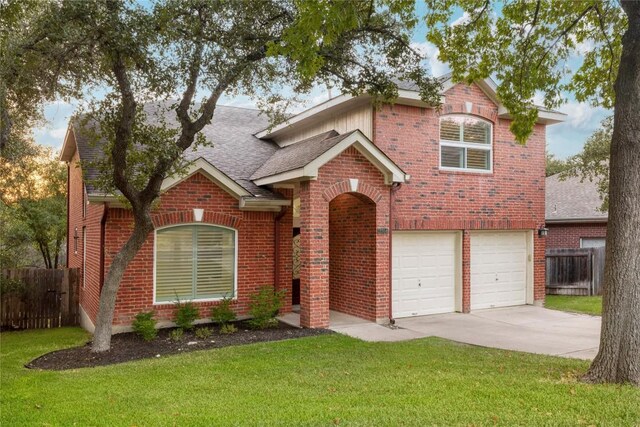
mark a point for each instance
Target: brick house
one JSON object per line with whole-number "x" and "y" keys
{"x": 403, "y": 211}
{"x": 573, "y": 214}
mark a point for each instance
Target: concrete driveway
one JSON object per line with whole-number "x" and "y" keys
{"x": 524, "y": 328}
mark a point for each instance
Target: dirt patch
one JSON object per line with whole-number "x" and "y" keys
{"x": 129, "y": 346}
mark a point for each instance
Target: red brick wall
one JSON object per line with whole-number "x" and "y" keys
{"x": 87, "y": 221}
{"x": 352, "y": 255}
{"x": 332, "y": 181}
{"x": 569, "y": 235}
{"x": 255, "y": 246}
{"x": 509, "y": 198}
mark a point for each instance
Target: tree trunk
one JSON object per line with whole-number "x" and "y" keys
{"x": 44, "y": 254}
{"x": 102, "y": 334}
{"x": 618, "y": 359}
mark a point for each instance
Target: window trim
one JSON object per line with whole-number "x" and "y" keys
{"x": 466, "y": 145}
{"x": 235, "y": 262}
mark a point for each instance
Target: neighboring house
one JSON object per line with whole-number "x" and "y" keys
{"x": 573, "y": 216}
{"x": 403, "y": 211}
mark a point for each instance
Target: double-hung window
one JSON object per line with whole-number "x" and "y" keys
{"x": 195, "y": 262}
{"x": 465, "y": 143}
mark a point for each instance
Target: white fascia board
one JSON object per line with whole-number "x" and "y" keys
{"x": 410, "y": 97}
{"x": 214, "y": 174}
{"x": 108, "y": 199}
{"x": 292, "y": 175}
{"x": 329, "y": 104}
{"x": 391, "y": 172}
{"x": 545, "y": 117}
{"x": 68, "y": 147}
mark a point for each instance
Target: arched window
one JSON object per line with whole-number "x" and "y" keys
{"x": 194, "y": 262}
{"x": 466, "y": 143}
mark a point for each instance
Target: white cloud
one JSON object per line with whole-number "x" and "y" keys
{"x": 463, "y": 19}
{"x": 584, "y": 46}
{"x": 58, "y": 133}
{"x": 581, "y": 114}
{"x": 431, "y": 53}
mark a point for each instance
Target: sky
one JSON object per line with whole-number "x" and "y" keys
{"x": 563, "y": 140}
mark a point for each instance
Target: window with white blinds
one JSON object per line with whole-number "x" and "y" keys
{"x": 195, "y": 262}
{"x": 465, "y": 143}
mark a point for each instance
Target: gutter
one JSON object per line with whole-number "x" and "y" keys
{"x": 576, "y": 220}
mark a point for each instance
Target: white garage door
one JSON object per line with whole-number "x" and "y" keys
{"x": 498, "y": 269}
{"x": 424, "y": 272}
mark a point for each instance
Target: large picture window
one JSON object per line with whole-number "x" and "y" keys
{"x": 195, "y": 262}
{"x": 465, "y": 143}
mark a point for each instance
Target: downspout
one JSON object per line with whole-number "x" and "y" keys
{"x": 392, "y": 198}
{"x": 103, "y": 226}
{"x": 68, "y": 216}
{"x": 276, "y": 254}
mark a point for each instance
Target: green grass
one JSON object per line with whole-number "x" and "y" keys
{"x": 316, "y": 381}
{"x": 588, "y": 305}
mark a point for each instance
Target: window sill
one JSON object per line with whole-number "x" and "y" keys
{"x": 466, "y": 171}
{"x": 196, "y": 301}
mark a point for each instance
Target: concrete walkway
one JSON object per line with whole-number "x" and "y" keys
{"x": 525, "y": 328}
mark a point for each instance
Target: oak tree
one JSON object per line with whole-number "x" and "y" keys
{"x": 528, "y": 45}
{"x": 184, "y": 55}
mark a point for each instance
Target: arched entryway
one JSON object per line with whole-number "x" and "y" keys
{"x": 352, "y": 255}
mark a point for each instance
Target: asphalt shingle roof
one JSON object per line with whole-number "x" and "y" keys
{"x": 572, "y": 200}
{"x": 235, "y": 151}
{"x": 299, "y": 154}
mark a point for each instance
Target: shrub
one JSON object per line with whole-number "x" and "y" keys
{"x": 222, "y": 313}
{"x": 176, "y": 334}
{"x": 264, "y": 307}
{"x": 203, "y": 333}
{"x": 186, "y": 314}
{"x": 145, "y": 326}
{"x": 228, "y": 328}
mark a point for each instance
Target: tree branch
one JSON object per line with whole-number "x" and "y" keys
{"x": 152, "y": 189}
{"x": 125, "y": 122}
{"x": 606, "y": 38}
{"x": 564, "y": 33}
{"x": 534, "y": 22}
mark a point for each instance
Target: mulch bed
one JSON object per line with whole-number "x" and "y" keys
{"x": 129, "y": 346}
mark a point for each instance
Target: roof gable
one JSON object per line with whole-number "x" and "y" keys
{"x": 214, "y": 174}
{"x": 408, "y": 94}
{"x": 303, "y": 159}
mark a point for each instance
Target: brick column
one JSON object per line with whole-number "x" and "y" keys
{"x": 383, "y": 264}
{"x": 285, "y": 251}
{"x": 314, "y": 242}
{"x": 466, "y": 271}
{"x": 539, "y": 268}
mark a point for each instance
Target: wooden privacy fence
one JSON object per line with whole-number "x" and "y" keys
{"x": 575, "y": 271}
{"x": 38, "y": 298}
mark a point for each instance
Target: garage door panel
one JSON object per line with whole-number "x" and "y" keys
{"x": 498, "y": 269}
{"x": 423, "y": 273}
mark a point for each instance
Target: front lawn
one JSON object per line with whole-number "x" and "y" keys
{"x": 323, "y": 380}
{"x": 587, "y": 305}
